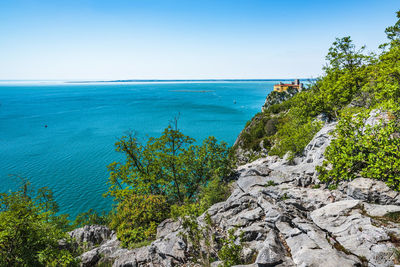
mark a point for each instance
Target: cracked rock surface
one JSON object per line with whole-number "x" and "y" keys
{"x": 285, "y": 219}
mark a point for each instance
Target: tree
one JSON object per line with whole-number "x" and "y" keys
{"x": 386, "y": 73}
{"x": 170, "y": 170}
{"x": 343, "y": 55}
{"x": 393, "y": 32}
{"x": 30, "y": 230}
{"x": 170, "y": 165}
{"x": 346, "y": 72}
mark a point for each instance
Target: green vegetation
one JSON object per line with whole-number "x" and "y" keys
{"x": 30, "y": 230}
{"x": 261, "y": 127}
{"x": 270, "y": 183}
{"x": 231, "y": 250}
{"x": 316, "y": 186}
{"x": 204, "y": 241}
{"x": 167, "y": 174}
{"x": 354, "y": 83}
{"x": 371, "y": 151}
{"x": 365, "y": 150}
{"x": 137, "y": 217}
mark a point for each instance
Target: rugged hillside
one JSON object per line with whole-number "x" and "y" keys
{"x": 256, "y": 138}
{"x": 285, "y": 217}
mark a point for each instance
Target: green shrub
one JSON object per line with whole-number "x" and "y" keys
{"x": 137, "y": 217}
{"x": 293, "y": 135}
{"x": 230, "y": 252}
{"x": 200, "y": 237}
{"x": 215, "y": 191}
{"x": 271, "y": 127}
{"x": 359, "y": 149}
{"x": 30, "y": 230}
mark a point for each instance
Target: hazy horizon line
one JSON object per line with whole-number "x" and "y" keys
{"x": 151, "y": 80}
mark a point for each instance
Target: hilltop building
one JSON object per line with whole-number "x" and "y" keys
{"x": 281, "y": 87}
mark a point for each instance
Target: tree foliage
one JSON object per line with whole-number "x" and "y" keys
{"x": 170, "y": 165}
{"x": 165, "y": 171}
{"x": 30, "y": 229}
{"x": 137, "y": 217}
{"x": 363, "y": 150}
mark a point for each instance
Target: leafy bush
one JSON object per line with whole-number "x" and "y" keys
{"x": 30, "y": 230}
{"x": 359, "y": 149}
{"x": 137, "y": 217}
{"x": 293, "y": 135}
{"x": 230, "y": 252}
{"x": 215, "y": 191}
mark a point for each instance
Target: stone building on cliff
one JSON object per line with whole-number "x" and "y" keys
{"x": 281, "y": 87}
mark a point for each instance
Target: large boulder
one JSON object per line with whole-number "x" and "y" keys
{"x": 91, "y": 235}
{"x": 372, "y": 191}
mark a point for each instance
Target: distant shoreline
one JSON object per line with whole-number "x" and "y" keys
{"x": 194, "y": 80}
{"x": 60, "y": 82}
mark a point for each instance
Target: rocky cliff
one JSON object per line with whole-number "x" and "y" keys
{"x": 286, "y": 217}
{"x": 274, "y": 97}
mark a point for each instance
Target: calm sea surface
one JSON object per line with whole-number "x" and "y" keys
{"x": 71, "y": 154}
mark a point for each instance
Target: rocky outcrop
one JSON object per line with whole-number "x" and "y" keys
{"x": 372, "y": 191}
{"x": 278, "y": 97}
{"x": 91, "y": 235}
{"x": 285, "y": 219}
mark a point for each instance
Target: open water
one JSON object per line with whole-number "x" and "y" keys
{"x": 71, "y": 154}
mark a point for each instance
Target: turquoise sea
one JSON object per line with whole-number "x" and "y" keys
{"x": 83, "y": 120}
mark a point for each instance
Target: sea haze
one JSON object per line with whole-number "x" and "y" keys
{"x": 83, "y": 120}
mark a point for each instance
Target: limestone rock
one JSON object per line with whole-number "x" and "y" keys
{"x": 353, "y": 229}
{"x": 90, "y": 258}
{"x": 273, "y": 252}
{"x": 91, "y": 235}
{"x": 372, "y": 191}
{"x": 166, "y": 227}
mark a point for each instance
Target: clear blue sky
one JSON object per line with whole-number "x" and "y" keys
{"x": 163, "y": 39}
